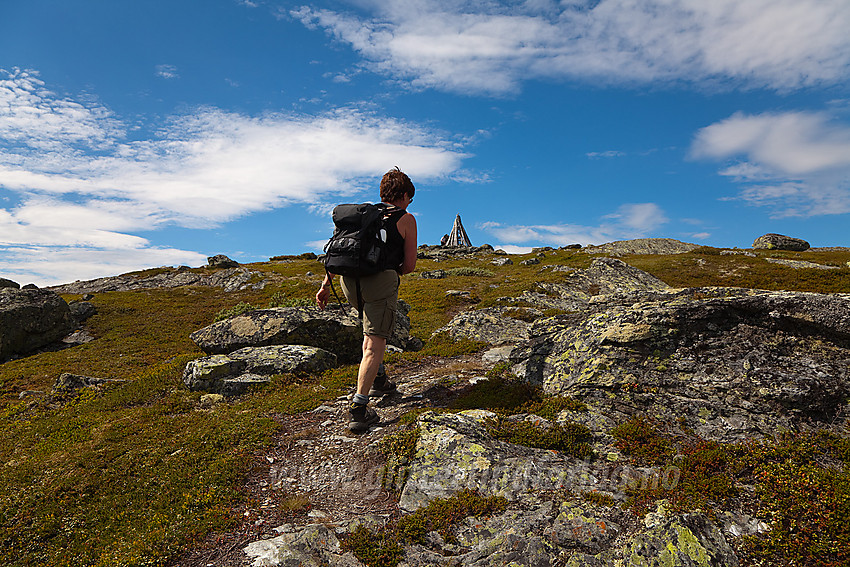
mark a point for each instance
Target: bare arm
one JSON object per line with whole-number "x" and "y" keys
{"x": 324, "y": 292}
{"x": 407, "y": 229}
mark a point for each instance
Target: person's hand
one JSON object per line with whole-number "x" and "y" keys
{"x": 322, "y": 297}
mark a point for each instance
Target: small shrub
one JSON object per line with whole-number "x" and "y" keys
{"x": 235, "y": 311}
{"x": 443, "y": 515}
{"x": 639, "y": 438}
{"x": 374, "y": 550}
{"x": 599, "y": 498}
{"x": 442, "y": 344}
{"x": 398, "y": 449}
{"x": 549, "y": 408}
{"x": 477, "y": 272}
{"x": 570, "y": 438}
{"x": 706, "y": 251}
{"x": 501, "y": 395}
{"x": 279, "y": 299}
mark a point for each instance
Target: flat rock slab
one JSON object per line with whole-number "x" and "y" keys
{"x": 232, "y": 373}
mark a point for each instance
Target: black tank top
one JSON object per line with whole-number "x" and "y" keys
{"x": 395, "y": 243}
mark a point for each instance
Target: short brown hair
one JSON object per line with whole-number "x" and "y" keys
{"x": 395, "y": 185}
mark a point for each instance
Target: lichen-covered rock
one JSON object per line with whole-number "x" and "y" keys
{"x": 454, "y": 452}
{"x": 231, "y": 279}
{"x": 31, "y": 319}
{"x": 221, "y": 373}
{"x": 332, "y": 330}
{"x": 604, "y": 276}
{"x": 728, "y": 363}
{"x": 68, "y": 382}
{"x": 773, "y": 241}
{"x": 491, "y": 325}
{"x": 642, "y": 246}
{"x": 689, "y": 540}
{"x": 311, "y": 546}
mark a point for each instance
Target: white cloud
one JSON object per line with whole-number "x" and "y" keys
{"x": 79, "y": 184}
{"x": 167, "y": 72}
{"x": 629, "y": 221}
{"x": 492, "y": 47}
{"x": 53, "y": 265}
{"x": 605, "y": 154}
{"x": 797, "y": 163}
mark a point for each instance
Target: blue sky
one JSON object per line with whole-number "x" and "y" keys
{"x": 143, "y": 134}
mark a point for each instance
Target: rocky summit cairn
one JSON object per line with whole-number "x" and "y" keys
{"x": 457, "y": 237}
{"x": 780, "y": 242}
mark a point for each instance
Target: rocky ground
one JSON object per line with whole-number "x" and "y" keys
{"x": 318, "y": 472}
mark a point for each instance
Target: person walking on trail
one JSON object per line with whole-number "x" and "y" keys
{"x": 380, "y": 298}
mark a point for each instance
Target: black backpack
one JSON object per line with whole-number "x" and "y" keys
{"x": 358, "y": 246}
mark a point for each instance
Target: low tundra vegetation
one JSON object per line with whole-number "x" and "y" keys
{"x": 799, "y": 482}
{"x": 134, "y": 472}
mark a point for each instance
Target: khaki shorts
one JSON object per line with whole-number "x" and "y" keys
{"x": 380, "y": 301}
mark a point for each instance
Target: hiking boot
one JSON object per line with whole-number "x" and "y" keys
{"x": 382, "y": 386}
{"x": 362, "y": 416}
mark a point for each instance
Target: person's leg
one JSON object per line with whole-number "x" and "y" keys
{"x": 373, "y": 355}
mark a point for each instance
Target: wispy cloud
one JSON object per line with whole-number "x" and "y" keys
{"x": 203, "y": 169}
{"x": 605, "y": 154}
{"x": 491, "y": 47}
{"x": 167, "y": 71}
{"x": 796, "y": 163}
{"x": 631, "y": 220}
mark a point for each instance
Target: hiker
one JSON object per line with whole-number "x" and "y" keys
{"x": 380, "y": 298}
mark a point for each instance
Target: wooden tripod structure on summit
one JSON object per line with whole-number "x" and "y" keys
{"x": 458, "y": 235}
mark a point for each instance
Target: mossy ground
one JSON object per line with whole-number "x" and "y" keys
{"x": 134, "y": 472}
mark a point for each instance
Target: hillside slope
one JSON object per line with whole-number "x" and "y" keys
{"x": 614, "y": 444}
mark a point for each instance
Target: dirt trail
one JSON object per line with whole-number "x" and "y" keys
{"x": 317, "y": 471}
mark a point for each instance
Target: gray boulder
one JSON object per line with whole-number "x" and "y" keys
{"x": 642, "y": 246}
{"x": 334, "y": 330}
{"x": 605, "y": 276}
{"x": 731, "y": 364}
{"x": 31, "y": 319}
{"x": 221, "y": 261}
{"x": 773, "y": 241}
{"x": 311, "y": 546}
{"x": 232, "y": 373}
{"x": 9, "y": 283}
{"x": 68, "y": 382}
{"x": 82, "y": 310}
{"x": 493, "y": 325}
